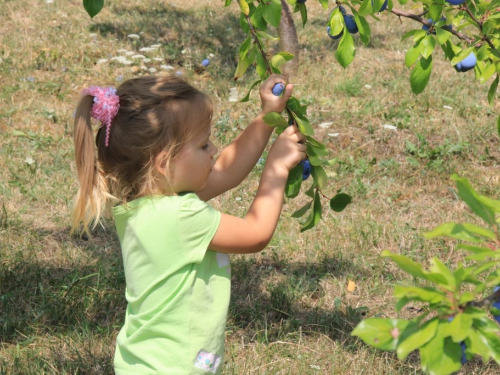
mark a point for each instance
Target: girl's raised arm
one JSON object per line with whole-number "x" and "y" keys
{"x": 253, "y": 232}
{"x": 237, "y": 160}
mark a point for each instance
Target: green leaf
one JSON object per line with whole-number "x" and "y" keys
{"x": 257, "y": 19}
{"x": 345, "y": 50}
{"x": 487, "y": 72}
{"x": 420, "y": 75}
{"x": 477, "y": 344}
{"x": 363, "y": 28}
{"x": 442, "y": 35}
{"x": 245, "y": 47}
{"x": 319, "y": 176}
{"x": 427, "y": 46}
{"x": 460, "y": 326}
{"x": 435, "y": 11}
{"x": 303, "y": 13}
{"x": 281, "y": 58}
{"x": 473, "y": 248}
{"x": 464, "y": 232}
{"x": 438, "y": 267}
{"x": 315, "y": 214}
{"x": 93, "y": 7}
{"x": 272, "y": 12}
{"x": 421, "y": 294}
{"x": 469, "y": 196}
{"x": 493, "y": 90}
{"x": 416, "y": 337}
{"x": 294, "y": 182}
{"x": 340, "y": 201}
{"x": 303, "y": 124}
{"x": 316, "y": 151}
{"x": 380, "y": 333}
{"x": 244, "y": 7}
{"x": 264, "y": 35}
{"x": 493, "y": 343}
{"x": 406, "y": 264}
{"x": 261, "y": 66}
{"x": 336, "y": 22}
{"x": 441, "y": 356}
{"x": 324, "y": 3}
{"x": 412, "y": 55}
{"x": 247, "y": 96}
{"x": 301, "y": 211}
{"x": 315, "y": 143}
{"x": 243, "y": 65}
{"x": 275, "y": 119}
{"x": 366, "y": 8}
{"x": 408, "y": 34}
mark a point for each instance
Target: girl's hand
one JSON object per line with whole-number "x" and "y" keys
{"x": 288, "y": 150}
{"x": 270, "y": 102}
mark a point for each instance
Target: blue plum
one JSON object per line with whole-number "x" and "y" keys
{"x": 350, "y": 23}
{"x": 334, "y": 37}
{"x": 455, "y": 2}
{"x": 306, "y": 169}
{"x": 278, "y": 89}
{"x": 383, "y": 7}
{"x": 467, "y": 64}
{"x": 205, "y": 62}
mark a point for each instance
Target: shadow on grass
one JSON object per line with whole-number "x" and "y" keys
{"x": 81, "y": 303}
{"x": 201, "y": 31}
{"x": 273, "y": 299}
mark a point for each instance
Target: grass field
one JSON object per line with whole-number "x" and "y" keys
{"x": 62, "y": 298}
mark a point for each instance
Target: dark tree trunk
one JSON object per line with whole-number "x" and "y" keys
{"x": 289, "y": 41}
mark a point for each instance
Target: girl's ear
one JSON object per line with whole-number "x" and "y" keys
{"x": 161, "y": 164}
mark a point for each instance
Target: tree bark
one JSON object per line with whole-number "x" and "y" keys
{"x": 289, "y": 41}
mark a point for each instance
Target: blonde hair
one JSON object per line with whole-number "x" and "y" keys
{"x": 157, "y": 114}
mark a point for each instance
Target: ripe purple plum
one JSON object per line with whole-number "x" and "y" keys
{"x": 278, "y": 89}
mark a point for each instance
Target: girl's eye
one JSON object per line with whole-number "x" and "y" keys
{"x": 205, "y": 147}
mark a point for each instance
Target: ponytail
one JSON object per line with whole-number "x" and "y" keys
{"x": 93, "y": 195}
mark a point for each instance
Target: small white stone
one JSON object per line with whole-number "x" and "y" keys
{"x": 325, "y": 125}
{"x": 233, "y": 94}
{"x": 49, "y": 1}
{"x": 447, "y": 107}
{"x": 152, "y": 70}
{"x": 29, "y": 160}
{"x": 237, "y": 199}
{"x": 390, "y": 127}
{"x": 368, "y": 87}
{"x": 211, "y": 55}
{"x": 102, "y": 61}
{"x": 133, "y": 36}
{"x": 333, "y": 134}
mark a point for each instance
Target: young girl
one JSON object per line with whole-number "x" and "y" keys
{"x": 155, "y": 163}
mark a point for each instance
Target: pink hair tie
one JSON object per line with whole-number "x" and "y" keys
{"x": 105, "y": 107}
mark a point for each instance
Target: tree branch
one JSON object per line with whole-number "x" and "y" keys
{"x": 418, "y": 18}
{"x": 493, "y": 297}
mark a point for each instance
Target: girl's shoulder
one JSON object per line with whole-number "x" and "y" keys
{"x": 187, "y": 201}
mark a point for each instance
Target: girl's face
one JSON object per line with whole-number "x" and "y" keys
{"x": 190, "y": 169}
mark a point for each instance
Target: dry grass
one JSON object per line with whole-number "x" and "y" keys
{"x": 61, "y": 298}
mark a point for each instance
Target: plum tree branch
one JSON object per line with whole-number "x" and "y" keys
{"x": 418, "y": 18}
{"x": 259, "y": 45}
{"x": 487, "y": 301}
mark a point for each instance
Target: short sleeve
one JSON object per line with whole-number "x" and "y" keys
{"x": 197, "y": 224}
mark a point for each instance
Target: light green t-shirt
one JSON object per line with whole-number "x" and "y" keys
{"x": 177, "y": 290}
